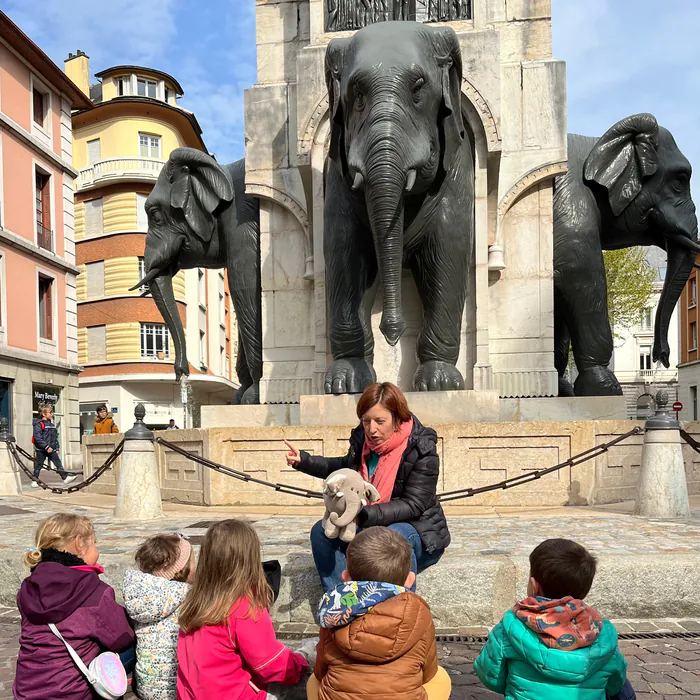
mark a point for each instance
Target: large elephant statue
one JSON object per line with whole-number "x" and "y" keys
{"x": 399, "y": 192}
{"x": 199, "y": 216}
{"x": 630, "y": 187}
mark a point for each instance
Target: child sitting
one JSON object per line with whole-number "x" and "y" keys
{"x": 374, "y": 632}
{"x": 64, "y": 588}
{"x": 152, "y": 597}
{"x": 552, "y": 645}
{"x": 227, "y": 646}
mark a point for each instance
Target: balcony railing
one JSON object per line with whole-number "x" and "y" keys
{"x": 646, "y": 372}
{"x": 346, "y": 15}
{"x": 44, "y": 237}
{"x": 120, "y": 168}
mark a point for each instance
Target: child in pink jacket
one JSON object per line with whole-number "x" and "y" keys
{"x": 227, "y": 647}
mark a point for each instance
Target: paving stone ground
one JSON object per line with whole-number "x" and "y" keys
{"x": 658, "y": 669}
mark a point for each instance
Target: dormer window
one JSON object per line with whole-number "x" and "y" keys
{"x": 146, "y": 88}
{"x": 168, "y": 95}
{"x": 123, "y": 85}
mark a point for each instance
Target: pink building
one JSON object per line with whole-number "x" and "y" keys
{"x": 38, "y": 312}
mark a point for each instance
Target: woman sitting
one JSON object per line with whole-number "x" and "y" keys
{"x": 398, "y": 456}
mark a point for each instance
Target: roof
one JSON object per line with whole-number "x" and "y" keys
{"x": 26, "y": 48}
{"x": 95, "y": 114}
{"x": 136, "y": 69}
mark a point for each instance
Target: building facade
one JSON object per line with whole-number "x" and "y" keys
{"x": 632, "y": 363}
{"x": 38, "y": 317}
{"x": 689, "y": 367}
{"x": 120, "y": 147}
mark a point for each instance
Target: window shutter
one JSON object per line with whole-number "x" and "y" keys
{"x": 46, "y": 285}
{"x": 96, "y": 337}
{"x": 46, "y": 202}
{"x": 38, "y": 108}
{"x": 95, "y": 279}
{"x": 94, "y": 151}
{"x": 93, "y": 217}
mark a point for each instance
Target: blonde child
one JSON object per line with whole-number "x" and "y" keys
{"x": 45, "y": 439}
{"x": 152, "y": 596}
{"x": 227, "y": 647}
{"x": 64, "y": 588}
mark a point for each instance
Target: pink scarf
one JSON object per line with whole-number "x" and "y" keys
{"x": 390, "y": 453}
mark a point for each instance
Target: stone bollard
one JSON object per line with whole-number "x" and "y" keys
{"x": 662, "y": 491}
{"x": 10, "y": 484}
{"x": 138, "y": 490}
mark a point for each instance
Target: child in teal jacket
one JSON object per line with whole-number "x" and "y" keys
{"x": 551, "y": 645}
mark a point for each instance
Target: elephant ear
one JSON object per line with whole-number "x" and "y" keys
{"x": 623, "y": 157}
{"x": 371, "y": 493}
{"x": 198, "y": 186}
{"x": 335, "y": 57}
{"x": 449, "y": 60}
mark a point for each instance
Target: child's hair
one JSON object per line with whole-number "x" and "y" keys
{"x": 379, "y": 554}
{"x": 101, "y": 407}
{"x": 562, "y": 568}
{"x": 56, "y": 532}
{"x": 160, "y": 554}
{"x": 229, "y": 568}
{"x": 45, "y": 409}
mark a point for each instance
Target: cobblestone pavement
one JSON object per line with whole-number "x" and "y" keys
{"x": 658, "y": 669}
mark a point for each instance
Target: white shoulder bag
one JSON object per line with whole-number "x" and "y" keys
{"x": 105, "y": 673}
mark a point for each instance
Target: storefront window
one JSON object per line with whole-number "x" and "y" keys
{"x": 6, "y": 402}
{"x": 43, "y": 394}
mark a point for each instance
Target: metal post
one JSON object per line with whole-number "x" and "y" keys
{"x": 662, "y": 490}
{"x": 5, "y": 435}
{"x": 140, "y": 430}
{"x": 10, "y": 484}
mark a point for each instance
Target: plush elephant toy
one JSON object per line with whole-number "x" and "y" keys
{"x": 345, "y": 493}
{"x": 399, "y": 192}
{"x": 199, "y": 216}
{"x": 630, "y": 187}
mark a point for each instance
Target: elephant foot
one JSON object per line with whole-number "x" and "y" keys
{"x": 251, "y": 396}
{"x": 565, "y": 388}
{"x": 436, "y": 375}
{"x": 597, "y": 381}
{"x": 350, "y": 375}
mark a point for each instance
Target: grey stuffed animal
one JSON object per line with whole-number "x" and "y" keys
{"x": 345, "y": 493}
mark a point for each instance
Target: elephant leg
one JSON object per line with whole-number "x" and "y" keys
{"x": 562, "y": 343}
{"x": 242, "y": 226}
{"x": 351, "y": 270}
{"x": 441, "y": 268}
{"x": 347, "y": 533}
{"x": 580, "y": 280}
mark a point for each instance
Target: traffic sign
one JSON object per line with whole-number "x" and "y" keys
{"x": 677, "y": 406}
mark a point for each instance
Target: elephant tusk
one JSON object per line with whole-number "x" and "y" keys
{"x": 410, "y": 180}
{"x": 150, "y": 276}
{"x": 359, "y": 181}
{"x": 696, "y": 265}
{"x": 684, "y": 242}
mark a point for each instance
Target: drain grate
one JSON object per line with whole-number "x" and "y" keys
{"x": 629, "y": 636}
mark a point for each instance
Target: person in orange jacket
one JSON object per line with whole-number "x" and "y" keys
{"x": 104, "y": 425}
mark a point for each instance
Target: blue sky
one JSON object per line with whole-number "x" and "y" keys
{"x": 623, "y": 56}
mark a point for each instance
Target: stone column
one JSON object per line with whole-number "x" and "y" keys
{"x": 662, "y": 490}
{"x": 138, "y": 490}
{"x": 10, "y": 484}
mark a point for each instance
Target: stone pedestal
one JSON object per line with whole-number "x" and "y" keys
{"x": 663, "y": 491}
{"x": 9, "y": 478}
{"x": 138, "y": 491}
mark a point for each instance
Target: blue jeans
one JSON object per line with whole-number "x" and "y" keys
{"x": 128, "y": 658}
{"x": 627, "y": 693}
{"x": 40, "y": 458}
{"x": 329, "y": 555}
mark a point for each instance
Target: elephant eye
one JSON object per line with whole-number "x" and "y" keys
{"x": 359, "y": 101}
{"x": 156, "y": 216}
{"x": 418, "y": 85}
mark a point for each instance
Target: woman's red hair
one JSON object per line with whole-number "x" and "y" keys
{"x": 387, "y": 395}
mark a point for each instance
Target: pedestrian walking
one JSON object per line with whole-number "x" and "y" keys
{"x": 45, "y": 439}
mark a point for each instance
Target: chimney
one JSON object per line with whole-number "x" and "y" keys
{"x": 77, "y": 67}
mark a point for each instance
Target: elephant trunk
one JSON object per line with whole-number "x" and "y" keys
{"x": 162, "y": 291}
{"x": 385, "y": 183}
{"x": 680, "y": 260}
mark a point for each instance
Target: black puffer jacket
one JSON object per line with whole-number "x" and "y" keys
{"x": 413, "y": 499}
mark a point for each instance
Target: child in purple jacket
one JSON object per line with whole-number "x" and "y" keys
{"x": 64, "y": 588}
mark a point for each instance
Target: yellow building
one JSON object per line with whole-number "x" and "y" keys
{"x": 119, "y": 149}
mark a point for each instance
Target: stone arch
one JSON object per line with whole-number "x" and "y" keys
{"x": 531, "y": 178}
{"x": 483, "y": 110}
{"x": 267, "y": 191}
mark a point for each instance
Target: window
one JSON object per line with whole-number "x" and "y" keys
{"x": 94, "y": 150}
{"x": 146, "y": 88}
{"x": 645, "y": 357}
{"x": 141, "y": 217}
{"x": 693, "y": 336}
{"x": 96, "y": 341}
{"x": 94, "y": 225}
{"x": 202, "y": 348}
{"x": 123, "y": 85}
{"x": 155, "y": 341}
{"x": 168, "y": 94}
{"x": 222, "y": 361}
{"x": 694, "y": 401}
{"x": 645, "y": 323}
{"x": 45, "y": 307}
{"x": 149, "y": 146}
{"x": 201, "y": 288}
{"x": 43, "y": 210}
{"x": 222, "y": 311}
{"x": 95, "y": 273}
{"x": 6, "y": 402}
{"x": 693, "y": 295}
{"x": 39, "y": 108}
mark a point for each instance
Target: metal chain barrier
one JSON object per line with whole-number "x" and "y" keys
{"x": 17, "y": 453}
{"x": 49, "y": 467}
{"x": 443, "y": 497}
